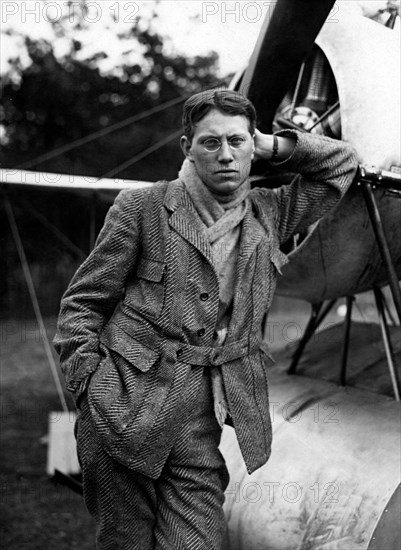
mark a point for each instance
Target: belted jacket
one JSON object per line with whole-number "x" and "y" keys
{"x": 142, "y": 309}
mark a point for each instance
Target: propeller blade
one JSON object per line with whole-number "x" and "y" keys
{"x": 286, "y": 38}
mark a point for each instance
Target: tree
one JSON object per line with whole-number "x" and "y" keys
{"x": 54, "y": 102}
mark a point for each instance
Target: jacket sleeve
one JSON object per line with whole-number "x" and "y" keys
{"x": 94, "y": 292}
{"x": 325, "y": 169}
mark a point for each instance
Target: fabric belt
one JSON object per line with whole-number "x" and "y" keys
{"x": 208, "y": 356}
{"x": 186, "y": 353}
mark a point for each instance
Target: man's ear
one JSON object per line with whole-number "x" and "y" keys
{"x": 186, "y": 147}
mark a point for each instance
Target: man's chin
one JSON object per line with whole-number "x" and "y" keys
{"x": 224, "y": 186}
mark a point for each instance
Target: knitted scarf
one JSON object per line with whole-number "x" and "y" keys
{"x": 219, "y": 213}
{"x": 221, "y": 216}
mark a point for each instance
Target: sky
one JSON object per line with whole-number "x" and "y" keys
{"x": 195, "y": 27}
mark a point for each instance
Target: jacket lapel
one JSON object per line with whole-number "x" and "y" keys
{"x": 185, "y": 220}
{"x": 252, "y": 234}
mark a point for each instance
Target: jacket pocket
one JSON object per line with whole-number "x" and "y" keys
{"x": 146, "y": 293}
{"x": 118, "y": 387}
{"x": 151, "y": 270}
{"x": 136, "y": 353}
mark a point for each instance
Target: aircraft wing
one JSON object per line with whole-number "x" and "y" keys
{"x": 81, "y": 185}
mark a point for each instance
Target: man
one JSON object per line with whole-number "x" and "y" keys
{"x": 160, "y": 330}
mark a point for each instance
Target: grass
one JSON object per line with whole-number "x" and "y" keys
{"x": 36, "y": 512}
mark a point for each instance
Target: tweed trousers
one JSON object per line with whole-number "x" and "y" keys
{"x": 182, "y": 509}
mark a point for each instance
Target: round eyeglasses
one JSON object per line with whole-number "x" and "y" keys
{"x": 213, "y": 144}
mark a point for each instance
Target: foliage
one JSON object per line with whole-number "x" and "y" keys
{"x": 57, "y": 101}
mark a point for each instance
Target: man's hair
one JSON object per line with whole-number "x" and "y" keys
{"x": 226, "y": 101}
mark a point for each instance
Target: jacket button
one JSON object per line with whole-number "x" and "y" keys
{"x": 179, "y": 352}
{"x": 204, "y": 296}
{"x": 215, "y": 358}
{"x": 201, "y": 332}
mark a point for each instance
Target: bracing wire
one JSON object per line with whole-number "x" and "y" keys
{"x": 142, "y": 155}
{"x": 35, "y": 302}
{"x": 100, "y": 133}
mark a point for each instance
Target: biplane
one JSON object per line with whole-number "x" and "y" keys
{"x": 333, "y": 481}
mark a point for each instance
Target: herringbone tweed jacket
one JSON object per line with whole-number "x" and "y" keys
{"x": 143, "y": 307}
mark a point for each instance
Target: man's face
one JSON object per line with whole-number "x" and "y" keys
{"x": 224, "y": 170}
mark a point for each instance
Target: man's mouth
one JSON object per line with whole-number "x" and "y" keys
{"x": 227, "y": 171}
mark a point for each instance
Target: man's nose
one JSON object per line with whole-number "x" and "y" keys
{"x": 225, "y": 153}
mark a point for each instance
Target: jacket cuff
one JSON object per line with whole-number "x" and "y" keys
{"x": 78, "y": 369}
{"x": 308, "y": 148}
{"x": 295, "y": 135}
